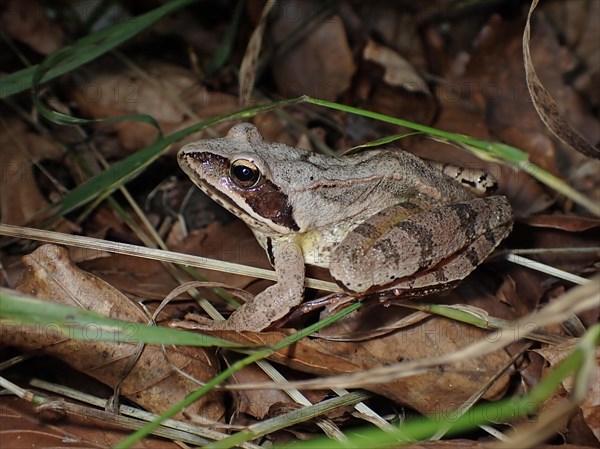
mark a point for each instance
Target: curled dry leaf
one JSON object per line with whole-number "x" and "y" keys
{"x": 398, "y": 71}
{"x": 151, "y": 383}
{"x": 250, "y": 61}
{"x": 387, "y": 82}
{"x": 546, "y": 106}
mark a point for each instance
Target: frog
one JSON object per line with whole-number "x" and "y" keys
{"x": 381, "y": 221}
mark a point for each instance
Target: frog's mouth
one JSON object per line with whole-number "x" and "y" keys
{"x": 263, "y": 207}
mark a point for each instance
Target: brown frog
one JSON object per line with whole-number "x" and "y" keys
{"x": 379, "y": 221}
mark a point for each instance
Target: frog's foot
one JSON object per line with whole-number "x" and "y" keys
{"x": 478, "y": 181}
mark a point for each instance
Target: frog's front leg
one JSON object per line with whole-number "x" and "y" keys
{"x": 276, "y": 301}
{"x": 402, "y": 247}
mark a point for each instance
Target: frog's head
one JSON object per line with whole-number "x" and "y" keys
{"x": 234, "y": 172}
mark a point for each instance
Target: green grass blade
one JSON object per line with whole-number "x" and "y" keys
{"x": 224, "y": 51}
{"x": 260, "y": 354}
{"x": 126, "y": 169}
{"x": 420, "y": 429}
{"x": 378, "y": 142}
{"x": 490, "y": 151}
{"x": 77, "y": 323}
{"x": 84, "y": 50}
{"x": 62, "y": 119}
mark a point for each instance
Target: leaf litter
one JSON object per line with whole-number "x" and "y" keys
{"x": 473, "y": 66}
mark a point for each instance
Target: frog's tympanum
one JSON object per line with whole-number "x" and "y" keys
{"x": 380, "y": 220}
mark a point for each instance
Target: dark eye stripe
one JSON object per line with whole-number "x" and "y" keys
{"x": 268, "y": 201}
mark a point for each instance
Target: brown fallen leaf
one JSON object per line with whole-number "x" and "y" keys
{"x": 572, "y": 223}
{"x": 249, "y": 63}
{"x": 22, "y": 427}
{"x": 151, "y": 383}
{"x": 20, "y": 196}
{"x": 551, "y": 236}
{"x": 398, "y": 71}
{"x": 255, "y": 402}
{"x": 371, "y": 322}
{"x": 167, "y": 92}
{"x": 28, "y": 21}
{"x": 522, "y": 290}
{"x": 438, "y": 391}
{"x": 320, "y": 64}
{"x": 590, "y": 407}
{"x": 494, "y": 82}
{"x": 577, "y": 22}
{"x": 150, "y": 280}
{"x": 142, "y": 278}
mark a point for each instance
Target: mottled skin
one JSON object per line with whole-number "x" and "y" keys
{"x": 379, "y": 220}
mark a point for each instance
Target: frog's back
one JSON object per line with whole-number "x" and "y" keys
{"x": 337, "y": 189}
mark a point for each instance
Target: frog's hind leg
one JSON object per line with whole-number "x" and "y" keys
{"x": 451, "y": 271}
{"x": 440, "y": 245}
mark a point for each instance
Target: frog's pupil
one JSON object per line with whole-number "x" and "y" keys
{"x": 243, "y": 173}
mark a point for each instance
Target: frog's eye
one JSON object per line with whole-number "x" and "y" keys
{"x": 244, "y": 173}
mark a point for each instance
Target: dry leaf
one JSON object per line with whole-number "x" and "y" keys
{"x": 321, "y": 63}
{"x": 434, "y": 392}
{"x": 151, "y": 383}
{"x": 551, "y": 236}
{"x": 20, "y": 197}
{"x": 398, "y": 71}
{"x": 250, "y": 60}
{"x": 590, "y": 407}
{"x": 577, "y": 21}
{"x": 494, "y": 83}
{"x": 167, "y": 92}
{"x": 23, "y": 427}
{"x": 27, "y": 21}
{"x": 256, "y": 403}
{"x": 546, "y": 106}
{"x": 572, "y": 223}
